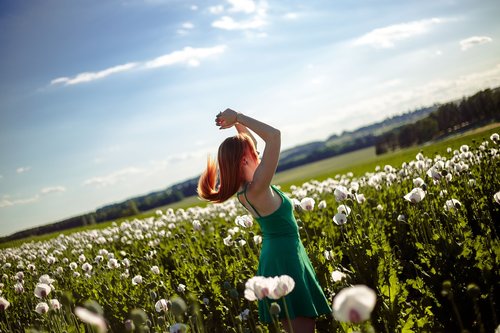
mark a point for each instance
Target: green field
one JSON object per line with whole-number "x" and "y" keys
{"x": 358, "y": 162}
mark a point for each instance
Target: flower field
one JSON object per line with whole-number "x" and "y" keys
{"x": 420, "y": 238}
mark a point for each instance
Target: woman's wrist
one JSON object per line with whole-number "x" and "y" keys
{"x": 238, "y": 117}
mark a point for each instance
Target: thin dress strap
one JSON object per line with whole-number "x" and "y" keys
{"x": 245, "y": 194}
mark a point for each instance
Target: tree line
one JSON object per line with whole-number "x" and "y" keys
{"x": 480, "y": 108}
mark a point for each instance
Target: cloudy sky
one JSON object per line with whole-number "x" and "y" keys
{"x": 101, "y": 101}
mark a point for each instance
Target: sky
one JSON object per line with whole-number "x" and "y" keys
{"x": 101, "y": 101}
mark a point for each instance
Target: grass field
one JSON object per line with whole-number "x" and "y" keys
{"x": 358, "y": 162}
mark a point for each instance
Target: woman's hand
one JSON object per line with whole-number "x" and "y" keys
{"x": 226, "y": 119}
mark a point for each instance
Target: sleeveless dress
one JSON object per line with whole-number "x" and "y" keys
{"x": 282, "y": 253}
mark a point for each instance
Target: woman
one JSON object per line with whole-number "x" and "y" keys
{"x": 241, "y": 172}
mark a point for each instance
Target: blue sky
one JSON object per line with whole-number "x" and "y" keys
{"x": 101, "y": 101}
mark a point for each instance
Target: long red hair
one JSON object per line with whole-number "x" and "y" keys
{"x": 229, "y": 157}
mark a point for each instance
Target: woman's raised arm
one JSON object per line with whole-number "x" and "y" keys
{"x": 272, "y": 137}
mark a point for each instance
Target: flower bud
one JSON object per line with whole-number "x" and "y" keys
{"x": 275, "y": 309}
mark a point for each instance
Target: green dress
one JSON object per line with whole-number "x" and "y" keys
{"x": 282, "y": 253}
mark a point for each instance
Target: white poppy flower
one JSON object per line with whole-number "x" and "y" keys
{"x": 307, "y": 203}
{"x": 416, "y": 195}
{"x": 54, "y": 304}
{"x": 496, "y": 197}
{"x": 4, "y": 304}
{"x": 161, "y": 305}
{"x": 322, "y": 204}
{"x": 197, "y": 225}
{"x": 257, "y": 239}
{"x": 340, "y": 219}
{"x": 181, "y": 288}
{"x": 245, "y": 221}
{"x": 354, "y": 304}
{"x": 451, "y": 205}
{"x": 338, "y": 276}
{"x": 155, "y": 270}
{"x": 42, "y": 308}
{"x": 42, "y": 290}
{"x": 360, "y": 198}
{"x": 341, "y": 193}
{"x": 494, "y": 137}
{"x": 45, "y": 279}
{"x": 228, "y": 241}
{"x": 136, "y": 280}
{"x": 418, "y": 182}
{"x": 91, "y": 318}
{"x": 281, "y": 286}
{"x": 343, "y": 209}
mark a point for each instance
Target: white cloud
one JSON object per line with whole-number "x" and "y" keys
{"x": 91, "y": 76}
{"x": 291, "y": 16}
{"x": 187, "y": 25}
{"x": 467, "y": 43}
{"x": 245, "y": 6}
{"x": 256, "y": 21}
{"x": 53, "y": 189}
{"x": 193, "y": 7}
{"x": 228, "y": 23}
{"x": 188, "y": 56}
{"x": 219, "y": 9}
{"x": 113, "y": 178}
{"x": 7, "y": 202}
{"x": 23, "y": 169}
{"x": 387, "y": 37}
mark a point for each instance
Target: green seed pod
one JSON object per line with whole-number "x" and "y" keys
{"x": 275, "y": 309}
{"x": 93, "y": 306}
{"x": 129, "y": 325}
{"x": 226, "y": 285}
{"x": 233, "y": 293}
{"x": 138, "y": 316}
{"x": 473, "y": 290}
{"x": 178, "y": 306}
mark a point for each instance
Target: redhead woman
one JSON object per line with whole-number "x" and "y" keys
{"x": 241, "y": 172}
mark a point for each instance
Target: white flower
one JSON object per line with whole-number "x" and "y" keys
{"x": 42, "y": 308}
{"x": 245, "y": 221}
{"x": 338, "y": 276}
{"x": 54, "y": 304}
{"x": 281, "y": 286}
{"x": 257, "y": 239}
{"x": 380, "y": 207}
{"x": 416, "y": 195}
{"x": 307, "y": 204}
{"x": 340, "y": 193}
{"x": 82, "y": 258}
{"x": 433, "y": 173}
{"x": 19, "y": 288}
{"x": 340, "y": 219}
{"x": 343, "y": 209}
{"x": 91, "y": 318}
{"x": 228, "y": 241}
{"x": 360, "y": 198}
{"x": 401, "y": 218}
{"x": 354, "y": 304}
{"x": 45, "y": 279}
{"x": 136, "y": 280}
{"x": 496, "y": 197}
{"x": 181, "y": 288}
{"x": 87, "y": 267}
{"x": 322, "y": 204}
{"x": 494, "y": 137}
{"x": 196, "y": 225}
{"x": 42, "y": 290}
{"x": 328, "y": 254}
{"x": 418, "y": 182}
{"x": 4, "y": 304}
{"x": 256, "y": 288}
{"x": 178, "y": 328}
{"x": 73, "y": 265}
{"x": 452, "y": 205}
{"x": 113, "y": 263}
{"x": 155, "y": 270}
{"x": 244, "y": 314}
{"x": 161, "y": 305}
{"x": 464, "y": 148}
